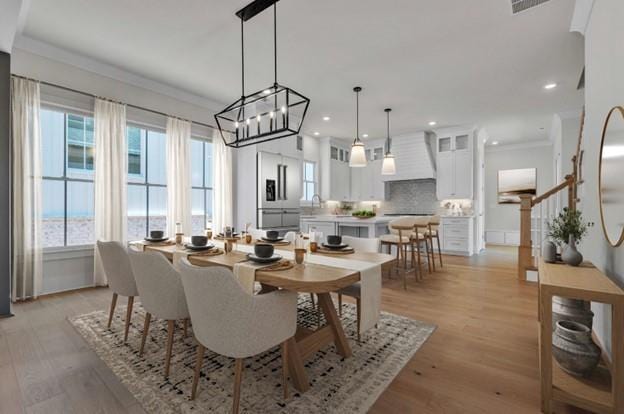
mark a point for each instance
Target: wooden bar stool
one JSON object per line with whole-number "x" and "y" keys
{"x": 433, "y": 232}
{"x": 401, "y": 230}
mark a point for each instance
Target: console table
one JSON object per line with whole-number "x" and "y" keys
{"x": 603, "y": 391}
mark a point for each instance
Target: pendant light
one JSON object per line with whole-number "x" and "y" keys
{"x": 270, "y": 113}
{"x": 358, "y": 154}
{"x": 388, "y": 167}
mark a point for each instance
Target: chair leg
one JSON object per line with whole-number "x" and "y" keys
{"x": 358, "y": 304}
{"x": 185, "y": 327}
{"x": 198, "y": 366}
{"x": 170, "y": 330}
{"x": 419, "y": 276}
{"x": 439, "y": 249}
{"x": 112, "y": 309}
{"x": 238, "y": 376}
{"x": 128, "y": 317}
{"x": 427, "y": 252}
{"x": 312, "y": 300}
{"x": 340, "y": 305}
{"x": 284, "y": 348}
{"x": 148, "y": 319}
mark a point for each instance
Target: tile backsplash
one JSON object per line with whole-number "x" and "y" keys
{"x": 410, "y": 196}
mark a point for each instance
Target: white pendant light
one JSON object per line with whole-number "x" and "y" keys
{"x": 358, "y": 154}
{"x": 388, "y": 167}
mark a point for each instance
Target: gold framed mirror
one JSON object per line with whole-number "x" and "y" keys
{"x": 611, "y": 177}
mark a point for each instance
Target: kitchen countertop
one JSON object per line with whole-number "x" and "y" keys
{"x": 347, "y": 219}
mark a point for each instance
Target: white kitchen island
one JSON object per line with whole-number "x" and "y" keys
{"x": 346, "y": 225}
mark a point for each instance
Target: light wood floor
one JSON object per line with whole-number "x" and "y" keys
{"x": 481, "y": 359}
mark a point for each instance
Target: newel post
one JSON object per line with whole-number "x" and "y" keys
{"x": 525, "y": 255}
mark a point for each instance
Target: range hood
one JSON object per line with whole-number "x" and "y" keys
{"x": 413, "y": 157}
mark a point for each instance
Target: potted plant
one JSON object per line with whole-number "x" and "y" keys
{"x": 566, "y": 230}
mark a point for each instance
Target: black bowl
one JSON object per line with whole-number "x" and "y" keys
{"x": 264, "y": 250}
{"x": 199, "y": 240}
{"x": 272, "y": 234}
{"x": 335, "y": 240}
{"x": 157, "y": 234}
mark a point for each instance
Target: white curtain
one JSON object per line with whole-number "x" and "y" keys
{"x": 111, "y": 174}
{"x": 222, "y": 212}
{"x": 26, "y": 132}
{"x": 178, "y": 175}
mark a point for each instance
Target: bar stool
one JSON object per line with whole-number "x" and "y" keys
{"x": 401, "y": 230}
{"x": 433, "y": 232}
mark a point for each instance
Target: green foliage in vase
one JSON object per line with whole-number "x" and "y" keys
{"x": 568, "y": 222}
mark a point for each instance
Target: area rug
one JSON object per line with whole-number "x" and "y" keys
{"x": 337, "y": 385}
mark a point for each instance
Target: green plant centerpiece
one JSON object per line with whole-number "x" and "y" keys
{"x": 363, "y": 214}
{"x": 566, "y": 230}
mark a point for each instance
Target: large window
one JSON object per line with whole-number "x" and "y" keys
{"x": 309, "y": 180}
{"x": 201, "y": 181}
{"x": 147, "y": 181}
{"x": 67, "y": 185}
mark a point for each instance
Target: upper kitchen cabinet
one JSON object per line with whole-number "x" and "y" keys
{"x": 335, "y": 171}
{"x": 454, "y": 150}
{"x": 367, "y": 183}
{"x": 413, "y": 158}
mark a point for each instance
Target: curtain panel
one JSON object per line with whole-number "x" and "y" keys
{"x": 178, "y": 176}
{"x": 111, "y": 175}
{"x": 222, "y": 212}
{"x": 26, "y": 132}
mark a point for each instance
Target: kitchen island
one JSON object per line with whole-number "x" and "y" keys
{"x": 346, "y": 225}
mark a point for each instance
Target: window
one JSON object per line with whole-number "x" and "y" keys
{"x": 67, "y": 184}
{"x": 147, "y": 181}
{"x": 201, "y": 181}
{"x": 309, "y": 180}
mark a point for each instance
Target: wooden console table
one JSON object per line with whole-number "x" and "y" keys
{"x": 603, "y": 391}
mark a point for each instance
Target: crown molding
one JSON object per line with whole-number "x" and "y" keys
{"x": 518, "y": 146}
{"x": 55, "y": 53}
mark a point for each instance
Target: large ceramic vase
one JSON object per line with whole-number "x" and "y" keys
{"x": 573, "y": 348}
{"x": 570, "y": 255}
{"x": 575, "y": 310}
{"x": 549, "y": 252}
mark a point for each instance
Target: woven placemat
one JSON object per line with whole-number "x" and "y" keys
{"x": 275, "y": 243}
{"x": 212, "y": 252}
{"x": 281, "y": 265}
{"x": 150, "y": 243}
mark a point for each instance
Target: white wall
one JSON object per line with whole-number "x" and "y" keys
{"x": 604, "y": 88}
{"x": 506, "y": 217}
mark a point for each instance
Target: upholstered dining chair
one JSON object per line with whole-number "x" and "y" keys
{"x": 290, "y": 236}
{"x": 257, "y": 233}
{"x": 229, "y": 321}
{"x": 400, "y": 236}
{"x": 120, "y": 277}
{"x": 354, "y": 290}
{"x": 162, "y": 295}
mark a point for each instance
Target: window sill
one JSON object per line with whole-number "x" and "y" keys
{"x": 67, "y": 252}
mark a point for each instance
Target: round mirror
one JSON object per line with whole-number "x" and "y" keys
{"x": 611, "y": 180}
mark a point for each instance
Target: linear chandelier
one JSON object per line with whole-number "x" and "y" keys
{"x": 272, "y": 113}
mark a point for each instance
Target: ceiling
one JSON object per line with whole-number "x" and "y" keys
{"x": 453, "y": 61}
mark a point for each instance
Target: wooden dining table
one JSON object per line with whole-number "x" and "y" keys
{"x": 305, "y": 278}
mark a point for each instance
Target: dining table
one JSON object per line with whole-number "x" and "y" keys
{"x": 309, "y": 277}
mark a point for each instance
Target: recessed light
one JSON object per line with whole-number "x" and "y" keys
{"x": 494, "y": 142}
{"x": 432, "y": 123}
{"x": 365, "y": 136}
{"x": 317, "y": 133}
{"x": 326, "y": 118}
{"x": 550, "y": 86}
{"x": 266, "y": 91}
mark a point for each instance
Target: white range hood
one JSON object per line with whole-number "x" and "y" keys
{"x": 413, "y": 157}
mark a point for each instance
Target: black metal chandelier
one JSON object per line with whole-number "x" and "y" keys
{"x": 272, "y": 113}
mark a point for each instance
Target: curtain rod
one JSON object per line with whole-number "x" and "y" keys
{"x": 111, "y": 100}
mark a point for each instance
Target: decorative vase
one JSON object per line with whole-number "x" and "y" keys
{"x": 570, "y": 255}
{"x": 573, "y": 348}
{"x": 549, "y": 252}
{"x": 575, "y": 310}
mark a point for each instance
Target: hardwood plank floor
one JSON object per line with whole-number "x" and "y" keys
{"x": 481, "y": 359}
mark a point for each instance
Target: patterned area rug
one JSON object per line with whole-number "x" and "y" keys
{"x": 337, "y": 385}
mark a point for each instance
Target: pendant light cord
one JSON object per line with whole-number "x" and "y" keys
{"x": 242, "y": 59}
{"x": 275, "y": 41}
{"x": 388, "y": 130}
{"x": 357, "y": 116}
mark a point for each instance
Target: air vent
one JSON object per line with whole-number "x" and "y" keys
{"x": 518, "y": 6}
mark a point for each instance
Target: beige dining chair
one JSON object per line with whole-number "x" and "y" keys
{"x": 120, "y": 277}
{"x": 229, "y": 321}
{"x": 162, "y": 295}
{"x": 257, "y": 234}
{"x": 359, "y": 245}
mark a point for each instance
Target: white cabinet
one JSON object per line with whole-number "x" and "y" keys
{"x": 454, "y": 159}
{"x": 335, "y": 171}
{"x": 457, "y": 235}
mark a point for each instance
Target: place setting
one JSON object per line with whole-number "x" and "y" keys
{"x": 273, "y": 237}
{"x": 157, "y": 237}
{"x": 264, "y": 254}
{"x": 199, "y": 246}
{"x": 334, "y": 245}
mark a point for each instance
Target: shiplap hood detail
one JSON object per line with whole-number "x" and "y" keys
{"x": 413, "y": 157}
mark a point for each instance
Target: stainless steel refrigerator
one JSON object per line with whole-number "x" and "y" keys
{"x": 279, "y": 191}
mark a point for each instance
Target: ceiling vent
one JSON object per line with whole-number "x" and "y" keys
{"x": 518, "y": 6}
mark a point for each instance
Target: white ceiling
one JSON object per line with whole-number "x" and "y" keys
{"x": 453, "y": 61}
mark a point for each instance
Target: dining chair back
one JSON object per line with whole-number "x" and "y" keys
{"x": 257, "y": 233}
{"x": 362, "y": 244}
{"x": 120, "y": 277}
{"x": 290, "y": 236}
